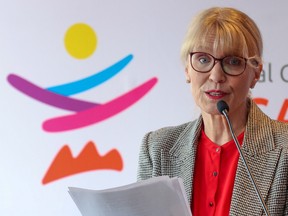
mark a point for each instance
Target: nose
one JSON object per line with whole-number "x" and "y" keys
{"x": 217, "y": 74}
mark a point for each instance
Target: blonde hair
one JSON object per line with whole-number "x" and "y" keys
{"x": 232, "y": 31}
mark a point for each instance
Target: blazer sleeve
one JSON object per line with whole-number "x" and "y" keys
{"x": 286, "y": 206}
{"x": 286, "y": 203}
{"x": 145, "y": 165}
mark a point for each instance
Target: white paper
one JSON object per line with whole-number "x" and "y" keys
{"x": 160, "y": 196}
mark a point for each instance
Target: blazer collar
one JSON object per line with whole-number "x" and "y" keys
{"x": 187, "y": 139}
{"x": 258, "y": 136}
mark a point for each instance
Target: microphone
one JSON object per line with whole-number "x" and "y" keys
{"x": 223, "y": 108}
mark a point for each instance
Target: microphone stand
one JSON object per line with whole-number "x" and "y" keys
{"x": 224, "y": 112}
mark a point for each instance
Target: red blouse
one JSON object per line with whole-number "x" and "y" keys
{"x": 214, "y": 175}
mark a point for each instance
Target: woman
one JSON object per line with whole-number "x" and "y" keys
{"x": 222, "y": 54}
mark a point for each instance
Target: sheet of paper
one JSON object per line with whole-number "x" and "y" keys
{"x": 160, "y": 196}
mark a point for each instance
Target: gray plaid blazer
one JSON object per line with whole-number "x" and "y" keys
{"x": 171, "y": 151}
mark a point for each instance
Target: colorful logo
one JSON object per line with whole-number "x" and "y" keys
{"x": 80, "y": 42}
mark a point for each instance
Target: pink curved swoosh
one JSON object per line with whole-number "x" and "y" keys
{"x": 98, "y": 113}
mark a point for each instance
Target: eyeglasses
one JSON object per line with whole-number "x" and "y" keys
{"x": 204, "y": 62}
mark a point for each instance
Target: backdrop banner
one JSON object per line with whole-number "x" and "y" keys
{"x": 83, "y": 81}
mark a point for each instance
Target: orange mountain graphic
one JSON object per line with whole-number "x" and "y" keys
{"x": 89, "y": 159}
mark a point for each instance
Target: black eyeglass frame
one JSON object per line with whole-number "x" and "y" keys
{"x": 215, "y": 61}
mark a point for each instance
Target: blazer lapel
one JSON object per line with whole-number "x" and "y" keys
{"x": 179, "y": 161}
{"x": 262, "y": 157}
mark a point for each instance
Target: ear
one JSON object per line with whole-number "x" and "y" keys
{"x": 257, "y": 71}
{"x": 187, "y": 74}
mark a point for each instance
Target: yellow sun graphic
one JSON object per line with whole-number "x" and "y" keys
{"x": 80, "y": 41}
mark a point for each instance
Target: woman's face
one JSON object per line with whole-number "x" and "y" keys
{"x": 208, "y": 88}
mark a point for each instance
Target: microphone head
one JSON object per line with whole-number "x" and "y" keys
{"x": 222, "y": 106}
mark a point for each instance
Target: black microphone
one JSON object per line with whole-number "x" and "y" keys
{"x": 223, "y": 108}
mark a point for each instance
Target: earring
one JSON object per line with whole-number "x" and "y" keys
{"x": 188, "y": 81}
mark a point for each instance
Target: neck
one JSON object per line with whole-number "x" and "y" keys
{"x": 217, "y": 129}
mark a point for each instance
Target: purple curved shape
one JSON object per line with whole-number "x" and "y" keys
{"x": 99, "y": 113}
{"x": 48, "y": 97}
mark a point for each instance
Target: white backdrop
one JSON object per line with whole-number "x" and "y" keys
{"x": 33, "y": 52}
